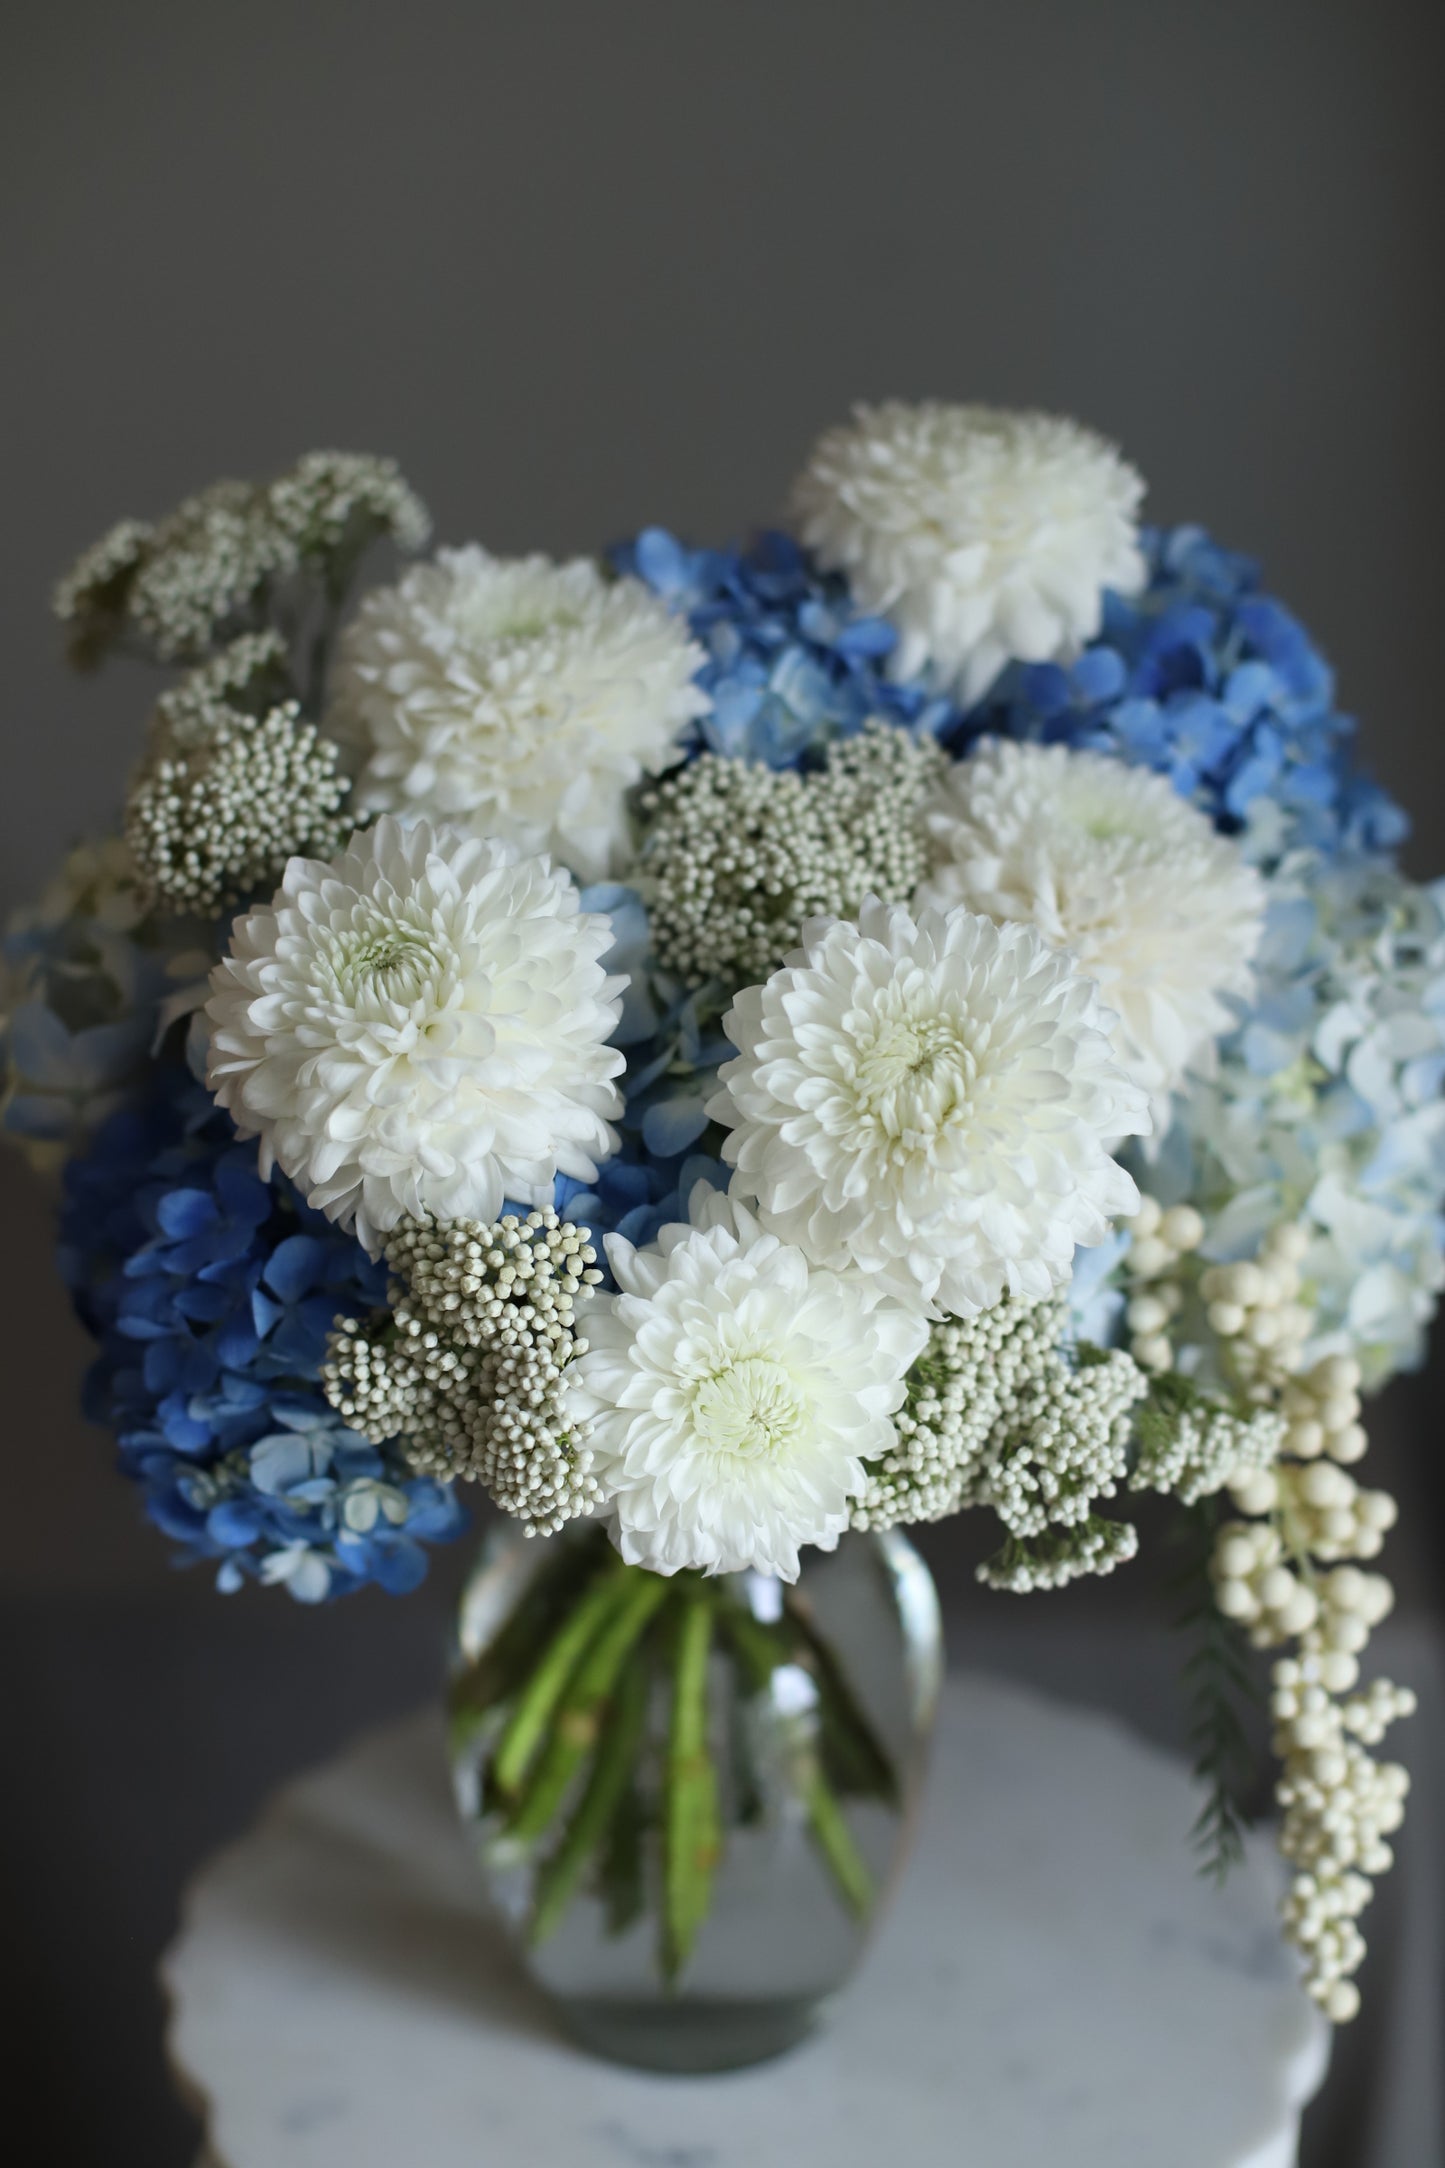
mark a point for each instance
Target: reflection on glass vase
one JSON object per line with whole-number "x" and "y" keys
{"x": 690, "y": 1796}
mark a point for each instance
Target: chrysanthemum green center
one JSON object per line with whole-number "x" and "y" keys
{"x": 394, "y": 964}
{"x": 751, "y": 1408}
{"x": 914, "y": 1074}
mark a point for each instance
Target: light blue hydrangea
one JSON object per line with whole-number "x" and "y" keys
{"x": 83, "y": 976}
{"x": 1327, "y": 1105}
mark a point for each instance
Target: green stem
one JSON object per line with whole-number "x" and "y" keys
{"x": 692, "y": 1838}
{"x": 622, "y": 1620}
{"x": 759, "y": 1649}
{"x": 612, "y": 1772}
{"x": 858, "y": 1762}
{"x": 834, "y": 1839}
{"x": 480, "y": 1687}
{"x": 522, "y": 1736}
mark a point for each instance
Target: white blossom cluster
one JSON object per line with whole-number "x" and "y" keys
{"x": 738, "y": 857}
{"x": 178, "y": 586}
{"x": 932, "y": 1102}
{"x": 419, "y": 1027}
{"x": 467, "y": 1366}
{"x": 735, "y": 1392}
{"x": 985, "y": 535}
{"x": 1110, "y": 863}
{"x": 515, "y": 698}
{"x": 233, "y": 784}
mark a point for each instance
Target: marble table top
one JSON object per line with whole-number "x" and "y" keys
{"x": 1054, "y": 1985}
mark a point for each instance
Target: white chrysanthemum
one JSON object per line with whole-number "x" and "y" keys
{"x": 419, "y": 1026}
{"x": 929, "y": 1102}
{"x": 733, "y": 1392}
{"x": 986, "y": 536}
{"x": 1112, "y": 864}
{"x": 515, "y": 698}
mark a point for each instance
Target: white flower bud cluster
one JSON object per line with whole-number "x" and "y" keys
{"x": 1192, "y": 1446}
{"x": 736, "y": 858}
{"x": 1254, "y": 1309}
{"x": 1256, "y": 1585}
{"x": 1322, "y": 1407}
{"x": 1340, "y": 1806}
{"x": 1161, "y": 1240}
{"x": 467, "y": 1366}
{"x": 1291, "y": 1573}
{"x": 211, "y": 823}
{"x": 1328, "y": 1514}
{"x": 969, "y": 1373}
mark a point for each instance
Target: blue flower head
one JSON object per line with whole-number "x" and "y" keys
{"x": 791, "y": 662}
{"x": 211, "y": 1293}
{"x": 1205, "y": 679}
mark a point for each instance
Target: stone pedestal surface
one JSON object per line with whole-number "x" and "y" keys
{"x": 1053, "y": 1988}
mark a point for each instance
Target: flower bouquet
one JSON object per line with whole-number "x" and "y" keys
{"x": 728, "y": 1054}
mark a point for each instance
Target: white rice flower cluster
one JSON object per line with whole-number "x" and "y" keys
{"x": 734, "y": 1392}
{"x": 90, "y": 597}
{"x": 1192, "y": 1446}
{"x": 515, "y": 698}
{"x": 333, "y": 504}
{"x": 986, "y": 536}
{"x": 250, "y": 672}
{"x": 225, "y": 796}
{"x": 1110, "y": 863}
{"x": 467, "y": 1368}
{"x": 202, "y": 568}
{"x": 930, "y": 1102}
{"x": 1159, "y": 1242}
{"x": 738, "y": 857}
{"x": 1063, "y": 1442}
{"x": 958, "y": 1391}
{"x": 1094, "y": 1546}
{"x": 181, "y": 584}
{"x": 419, "y": 1028}
{"x": 1340, "y": 1808}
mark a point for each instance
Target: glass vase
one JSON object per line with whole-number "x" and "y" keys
{"x": 690, "y": 1796}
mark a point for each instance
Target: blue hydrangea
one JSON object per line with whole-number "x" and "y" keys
{"x": 674, "y": 1043}
{"x": 1328, "y": 1106}
{"x": 1205, "y": 679}
{"x": 83, "y": 975}
{"x": 211, "y": 1293}
{"x": 791, "y": 662}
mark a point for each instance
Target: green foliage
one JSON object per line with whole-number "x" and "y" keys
{"x": 1220, "y": 1683}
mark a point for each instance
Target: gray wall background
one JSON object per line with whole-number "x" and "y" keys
{"x": 581, "y": 266}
